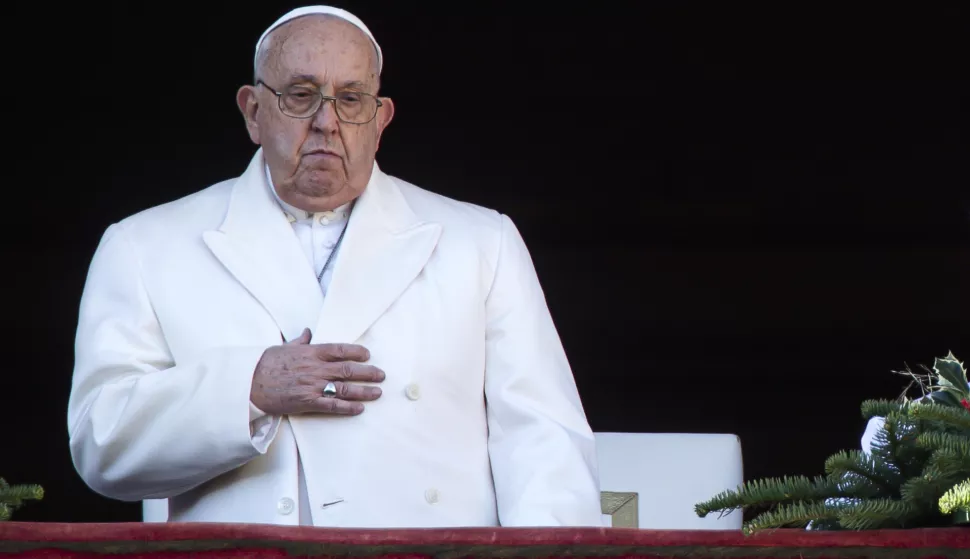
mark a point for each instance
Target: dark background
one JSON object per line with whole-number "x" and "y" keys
{"x": 744, "y": 219}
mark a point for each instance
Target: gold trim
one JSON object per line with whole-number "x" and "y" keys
{"x": 623, "y": 509}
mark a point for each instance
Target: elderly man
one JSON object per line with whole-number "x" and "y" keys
{"x": 316, "y": 342}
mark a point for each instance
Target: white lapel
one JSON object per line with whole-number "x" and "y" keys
{"x": 385, "y": 247}
{"x": 256, "y": 244}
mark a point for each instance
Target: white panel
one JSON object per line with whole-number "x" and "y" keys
{"x": 154, "y": 510}
{"x": 671, "y": 473}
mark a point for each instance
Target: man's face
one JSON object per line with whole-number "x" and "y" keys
{"x": 317, "y": 163}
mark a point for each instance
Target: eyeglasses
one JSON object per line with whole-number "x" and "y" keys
{"x": 299, "y": 101}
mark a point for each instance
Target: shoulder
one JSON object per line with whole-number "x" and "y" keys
{"x": 455, "y": 216}
{"x": 187, "y": 216}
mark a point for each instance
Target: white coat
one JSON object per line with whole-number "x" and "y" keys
{"x": 480, "y": 423}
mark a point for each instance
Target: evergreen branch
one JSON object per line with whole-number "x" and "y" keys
{"x": 882, "y": 408}
{"x": 769, "y": 491}
{"x": 793, "y": 515}
{"x": 958, "y": 418}
{"x": 917, "y": 475}
{"x": 853, "y": 487}
{"x": 13, "y": 496}
{"x": 948, "y": 461}
{"x": 861, "y": 464}
{"x": 958, "y": 497}
{"x": 924, "y": 492}
{"x": 892, "y": 445}
{"x": 951, "y": 442}
{"x": 16, "y": 493}
{"x": 874, "y": 514}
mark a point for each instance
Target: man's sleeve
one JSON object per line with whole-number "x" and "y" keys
{"x": 140, "y": 425}
{"x": 542, "y": 450}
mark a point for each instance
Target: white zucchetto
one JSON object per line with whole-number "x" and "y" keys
{"x": 323, "y": 10}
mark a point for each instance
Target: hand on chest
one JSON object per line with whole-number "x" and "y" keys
{"x": 429, "y": 340}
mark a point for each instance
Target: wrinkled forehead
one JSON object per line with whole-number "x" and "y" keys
{"x": 326, "y": 47}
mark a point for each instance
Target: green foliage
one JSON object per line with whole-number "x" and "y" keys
{"x": 12, "y": 497}
{"x": 956, "y": 498}
{"x": 953, "y": 417}
{"x": 917, "y": 474}
{"x": 782, "y": 491}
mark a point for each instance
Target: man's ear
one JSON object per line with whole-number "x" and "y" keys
{"x": 248, "y": 105}
{"x": 385, "y": 114}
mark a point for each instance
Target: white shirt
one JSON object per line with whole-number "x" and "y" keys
{"x": 318, "y": 234}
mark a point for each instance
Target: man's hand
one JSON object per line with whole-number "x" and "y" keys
{"x": 290, "y": 378}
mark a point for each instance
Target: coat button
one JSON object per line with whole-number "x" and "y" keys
{"x": 285, "y": 505}
{"x": 413, "y": 391}
{"x": 432, "y": 496}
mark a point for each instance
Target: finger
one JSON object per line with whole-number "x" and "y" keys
{"x": 302, "y": 339}
{"x": 336, "y": 406}
{"x": 350, "y": 371}
{"x": 342, "y": 352}
{"x": 356, "y": 392}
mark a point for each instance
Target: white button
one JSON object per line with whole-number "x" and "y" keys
{"x": 413, "y": 391}
{"x": 432, "y": 496}
{"x": 326, "y": 218}
{"x": 285, "y": 506}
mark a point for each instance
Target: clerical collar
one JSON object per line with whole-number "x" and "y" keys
{"x": 296, "y": 214}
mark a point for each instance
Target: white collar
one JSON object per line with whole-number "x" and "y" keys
{"x": 296, "y": 214}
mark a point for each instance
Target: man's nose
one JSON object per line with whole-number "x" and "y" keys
{"x": 325, "y": 118}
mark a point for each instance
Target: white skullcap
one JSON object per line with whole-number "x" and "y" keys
{"x": 325, "y": 10}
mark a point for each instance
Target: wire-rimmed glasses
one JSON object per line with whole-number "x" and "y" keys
{"x": 300, "y": 101}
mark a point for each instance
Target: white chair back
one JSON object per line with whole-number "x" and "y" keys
{"x": 670, "y": 473}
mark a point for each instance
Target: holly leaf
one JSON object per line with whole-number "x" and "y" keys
{"x": 944, "y": 397}
{"x": 950, "y": 374}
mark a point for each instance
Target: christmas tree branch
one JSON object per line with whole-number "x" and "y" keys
{"x": 777, "y": 490}
{"x": 951, "y": 416}
{"x": 861, "y": 464}
{"x": 916, "y": 475}
{"x": 951, "y": 442}
{"x": 958, "y": 497}
{"x": 877, "y": 513}
{"x": 793, "y": 515}
{"x": 13, "y": 496}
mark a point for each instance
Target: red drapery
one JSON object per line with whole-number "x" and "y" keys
{"x": 241, "y": 541}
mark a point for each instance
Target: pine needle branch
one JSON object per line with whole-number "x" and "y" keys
{"x": 916, "y": 475}
{"x": 951, "y": 442}
{"x": 882, "y": 408}
{"x": 874, "y": 514}
{"x": 13, "y": 496}
{"x": 857, "y": 463}
{"x": 957, "y": 418}
{"x": 793, "y": 515}
{"x": 772, "y": 490}
{"x": 957, "y": 498}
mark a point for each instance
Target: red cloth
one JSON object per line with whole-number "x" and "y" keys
{"x": 245, "y": 541}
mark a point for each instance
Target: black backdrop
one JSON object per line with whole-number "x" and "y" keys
{"x": 744, "y": 220}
